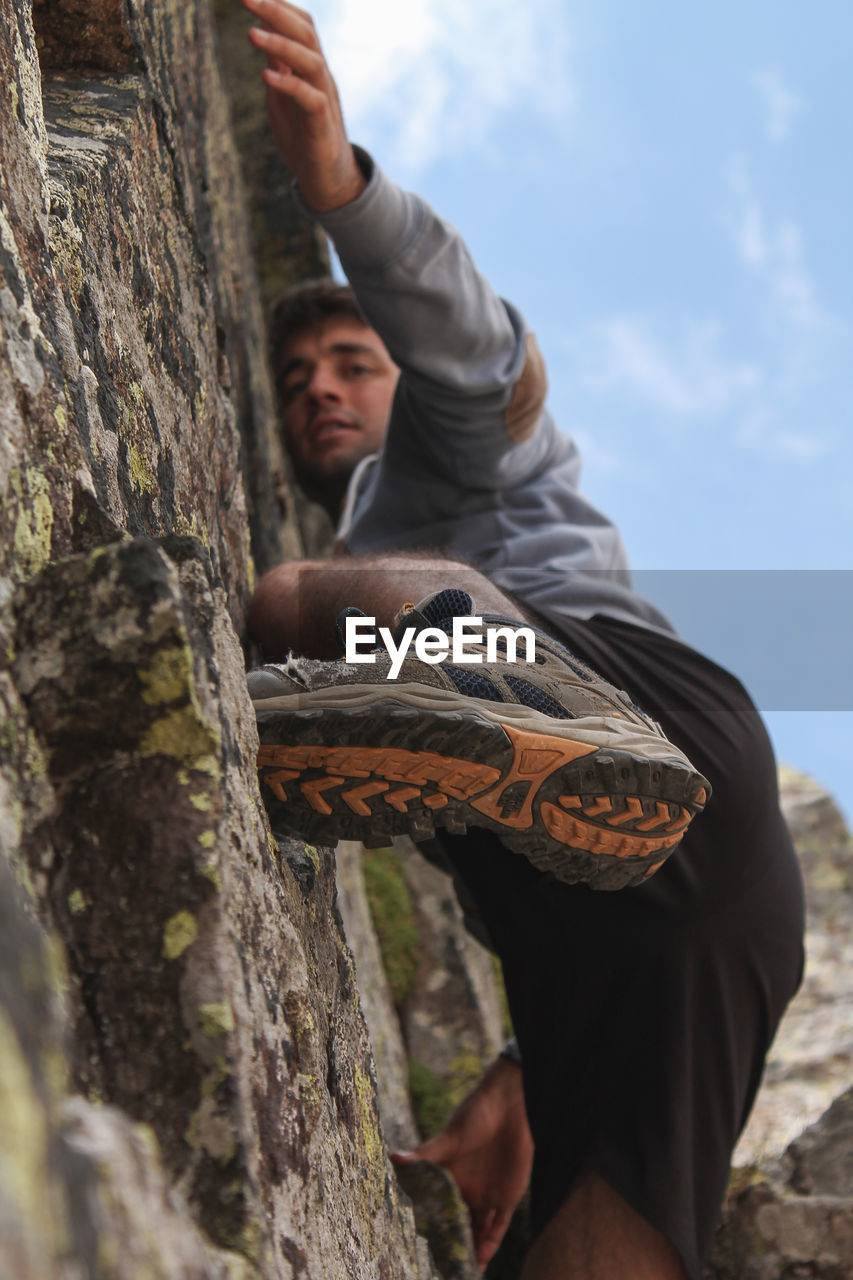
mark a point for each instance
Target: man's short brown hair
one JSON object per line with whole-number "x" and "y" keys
{"x": 308, "y": 306}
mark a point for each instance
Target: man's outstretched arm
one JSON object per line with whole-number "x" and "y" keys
{"x": 473, "y": 381}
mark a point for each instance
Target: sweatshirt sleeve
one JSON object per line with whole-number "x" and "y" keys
{"x": 473, "y": 382}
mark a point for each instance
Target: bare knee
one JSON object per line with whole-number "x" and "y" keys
{"x": 280, "y": 617}
{"x": 597, "y": 1235}
{"x": 295, "y": 605}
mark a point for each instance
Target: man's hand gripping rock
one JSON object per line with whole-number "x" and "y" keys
{"x": 304, "y": 107}
{"x": 487, "y": 1148}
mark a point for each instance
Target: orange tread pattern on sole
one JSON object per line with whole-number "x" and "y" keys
{"x": 459, "y": 778}
{"x": 355, "y": 797}
{"x": 679, "y": 823}
{"x": 313, "y": 789}
{"x": 661, "y": 815}
{"x": 536, "y": 757}
{"x": 602, "y": 804}
{"x": 633, "y": 809}
{"x": 399, "y": 799}
{"x": 561, "y": 826}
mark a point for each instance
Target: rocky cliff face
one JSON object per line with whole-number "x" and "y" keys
{"x": 790, "y": 1206}
{"x": 187, "y": 1083}
{"x": 199, "y": 1100}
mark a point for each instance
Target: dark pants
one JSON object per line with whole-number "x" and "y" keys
{"x": 644, "y": 1016}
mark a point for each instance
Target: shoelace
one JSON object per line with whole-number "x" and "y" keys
{"x": 340, "y": 622}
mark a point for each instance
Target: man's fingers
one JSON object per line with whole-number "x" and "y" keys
{"x": 488, "y": 1233}
{"x": 302, "y": 13}
{"x": 481, "y": 1222}
{"x": 289, "y": 53}
{"x": 311, "y": 100}
{"x": 437, "y": 1150}
{"x": 286, "y": 20}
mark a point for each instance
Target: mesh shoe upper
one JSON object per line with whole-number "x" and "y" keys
{"x": 536, "y": 747}
{"x": 556, "y": 684}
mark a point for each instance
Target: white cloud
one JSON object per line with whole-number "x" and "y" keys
{"x": 687, "y": 376}
{"x": 750, "y": 236}
{"x": 799, "y": 445}
{"x": 684, "y": 377}
{"x": 436, "y": 77}
{"x": 780, "y": 104}
{"x": 791, "y": 279}
{"x": 779, "y": 256}
{"x": 776, "y": 252}
{"x": 760, "y": 433}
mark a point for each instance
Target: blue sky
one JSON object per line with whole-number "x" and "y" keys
{"x": 665, "y": 191}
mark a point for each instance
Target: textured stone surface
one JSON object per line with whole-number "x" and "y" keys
{"x": 811, "y": 1061}
{"x": 81, "y": 1189}
{"x": 820, "y": 1161}
{"x": 211, "y": 995}
{"x": 789, "y": 1212}
{"x": 33, "y": 1208}
{"x": 128, "y": 1221}
{"x": 442, "y": 1218}
{"x": 452, "y": 1017}
{"x": 389, "y": 1051}
{"x": 130, "y": 324}
{"x": 217, "y": 1107}
{"x": 795, "y": 1219}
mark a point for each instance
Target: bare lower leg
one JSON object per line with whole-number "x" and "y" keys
{"x": 296, "y": 604}
{"x": 596, "y": 1235}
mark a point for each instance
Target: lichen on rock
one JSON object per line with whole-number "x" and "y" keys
{"x": 220, "y": 1117}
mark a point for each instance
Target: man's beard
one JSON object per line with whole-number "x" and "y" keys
{"x": 327, "y": 483}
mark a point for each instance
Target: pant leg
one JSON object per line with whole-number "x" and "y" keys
{"x": 644, "y": 1016}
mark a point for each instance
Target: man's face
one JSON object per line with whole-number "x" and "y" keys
{"x": 337, "y": 383}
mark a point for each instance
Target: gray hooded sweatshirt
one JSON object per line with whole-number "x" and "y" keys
{"x": 473, "y": 464}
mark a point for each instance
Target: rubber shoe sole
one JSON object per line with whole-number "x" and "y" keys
{"x": 578, "y": 801}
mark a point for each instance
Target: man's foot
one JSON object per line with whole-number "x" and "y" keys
{"x": 559, "y": 763}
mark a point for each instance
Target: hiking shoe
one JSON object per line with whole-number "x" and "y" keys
{"x": 560, "y": 764}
